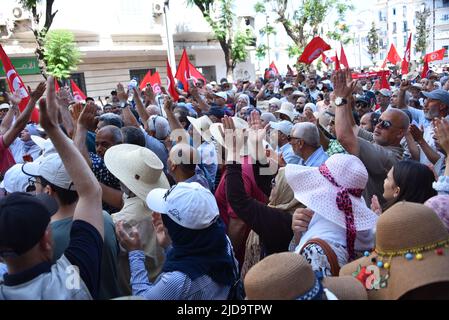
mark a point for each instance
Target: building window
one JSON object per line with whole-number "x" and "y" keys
{"x": 394, "y": 27}
{"x": 404, "y": 11}
{"x": 78, "y": 78}
{"x": 405, "y": 41}
{"x": 404, "y": 23}
{"x": 446, "y": 52}
{"x": 139, "y": 74}
{"x": 394, "y": 11}
{"x": 445, "y": 17}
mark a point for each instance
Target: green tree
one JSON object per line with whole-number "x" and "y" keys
{"x": 39, "y": 31}
{"x": 220, "y": 16}
{"x": 373, "y": 42}
{"x": 422, "y": 30}
{"x": 61, "y": 53}
{"x": 307, "y": 19}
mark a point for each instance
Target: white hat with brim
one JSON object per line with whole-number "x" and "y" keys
{"x": 138, "y": 168}
{"x": 202, "y": 125}
{"x": 312, "y": 189}
{"x": 288, "y": 109}
{"x": 45, "y": 145}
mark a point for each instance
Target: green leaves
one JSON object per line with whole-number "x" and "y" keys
{"x": 61, "y": 54}
{"x": 29, "y": 4}
{"x": 422, "y": 31}
{"x": 373, "y": 41}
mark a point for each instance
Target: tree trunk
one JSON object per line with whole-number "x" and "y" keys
{"x": 228, "y": 60}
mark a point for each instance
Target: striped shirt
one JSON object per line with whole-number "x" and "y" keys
{"x": 173, "y": 285}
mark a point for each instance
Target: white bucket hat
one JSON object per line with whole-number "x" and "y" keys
{"x": 45, "y": 145}
{"x": 188, "y": 204}
{"x": 288, "y": 109}
{"x": 138, "y": 168}
{"x": 202, "y": 125}
{"x": 314, "y": 190}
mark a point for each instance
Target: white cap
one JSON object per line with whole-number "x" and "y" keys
{"x": 5, "y": 106}
{"x": 50, "y": 168}
{"x": 221, "y": 94}
{"x": 15, "y": 180}
{"x": 283, "y": 126}
{"x": 275, "y": 101}
{"x": 298, "y": 93}
{"x": 188, "y": 204}
{"x": 288, "y": 86}
{"x": 385, "y": 92}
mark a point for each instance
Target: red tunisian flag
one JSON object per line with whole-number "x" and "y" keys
{"x": 195, "y": 74}
{"x": 183, "y": 72}
{"x": 57, "y": 87}
{"x": 425, "y": 69}
{"x": 16, "y": 84}
{"x": 326, "y": 60}
{"x": 274, "y": 68}
{"x": 435, "y": 56}
{"x": 337, "y": 62}
{"x": 171, "y": 83}
{"x": 343, "y": 59}
{"x": 383, "y": 80}
{"x": 313, "y": 50}
{"x": 77, "y": 93}
{"x": 406, "y": 60}
{"x": 392, "y": 56}
{"x": 154, "y": 80}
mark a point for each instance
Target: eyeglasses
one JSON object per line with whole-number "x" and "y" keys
{"x": 385, "y": 124}
{"x": 32, "y": 182}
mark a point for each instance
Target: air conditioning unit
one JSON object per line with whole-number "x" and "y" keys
{"x": 158, "y": 8}
{"x": 18, "y": 14}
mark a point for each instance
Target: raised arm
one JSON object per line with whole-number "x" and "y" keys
{"x": 13, "y": 132}
{"x": 64, "y": 98}
{"x": 343, "y": 114}
{"x": 203, "y": 105}
{"x": 88, "y": 207}
{"x": 178, "y": 134}
{"x": 8, "y": 119}
{"x": 143, "y": 114}
{"x": 418, "y": 135}
{"x": 87, "y": 116}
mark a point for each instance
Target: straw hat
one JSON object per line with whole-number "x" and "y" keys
{"x": 288, "y": 276}
{"x": 317, "y": 193}
{"x": 138, "y": 168}
{"x": 288, "y": 109}
{"x": 411, "y": 251}
{"x": 202, "y": 125}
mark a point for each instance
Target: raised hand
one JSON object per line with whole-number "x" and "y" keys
{"x": 15, "y": 97}
{"x": 129, "y": 241}
{"x": 254, "y": 120}
{"x": 405, "y": 85}
{"x": 163, "y": 239}
{"x": 233, "y": 138}
{"x": 48, "y": 108}
{"x": 64, "y": 97}
{"x": 38, "y": 92}
{"x": 343, "y": 86}
{"x": 417, "y": 134}
{"x": 375, "y": 205}
{"x": 75, "y": 110}
{"x": 121, "y": 93}
{"x": 442, "y": 133}
{"x": 87, "y": 118}
{"x": 168, "y": 104}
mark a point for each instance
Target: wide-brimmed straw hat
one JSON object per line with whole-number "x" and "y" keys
{"x": 411, "y": 252}
{"x": 138, "y": 168}
{"x": 288, "y": 109}
{"x": 288, "y": 276}
{"x": 316, "y": 192}
{"x": 202, "y": 125}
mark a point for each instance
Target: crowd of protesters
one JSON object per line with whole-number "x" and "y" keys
{"x": 287, "y": 187}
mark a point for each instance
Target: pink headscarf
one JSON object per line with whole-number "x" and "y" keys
{"x": 440, "y": 204}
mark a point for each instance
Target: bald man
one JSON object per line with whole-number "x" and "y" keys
{"x": 378, "y": 151}
{"x": 107, "y": 137}
{"x": 182, "y": 165}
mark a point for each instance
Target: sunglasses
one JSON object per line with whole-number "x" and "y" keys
{"x": 385, "y": 124}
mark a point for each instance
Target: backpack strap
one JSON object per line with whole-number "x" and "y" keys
{"x": 330, "y": 254}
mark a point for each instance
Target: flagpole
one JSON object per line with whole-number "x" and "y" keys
{"x": 169, "y": 36}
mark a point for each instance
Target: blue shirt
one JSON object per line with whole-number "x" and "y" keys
{"x": 316, "y": 159}
{"x": 172, "y": 285}
{"x": 157, "y": 147}
{"x": 289, "y": 155}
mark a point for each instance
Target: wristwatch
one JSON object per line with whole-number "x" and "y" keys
{"x": 339, "y": 101}
{"x": 123, "y": 105}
